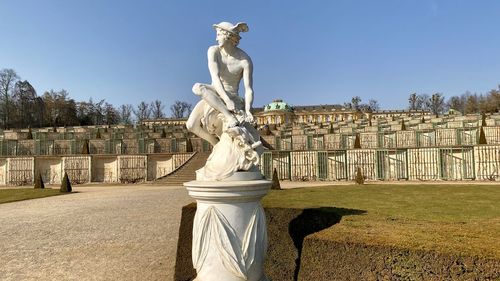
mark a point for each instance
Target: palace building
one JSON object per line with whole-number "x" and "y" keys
{"x": 279, "y": 112}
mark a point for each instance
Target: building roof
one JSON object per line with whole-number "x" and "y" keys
{"x": 277, "y": 105}
{"x": 318, "y": 108}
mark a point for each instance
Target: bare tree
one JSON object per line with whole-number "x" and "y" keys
{"x": 373, "y": 105}
{"x": 83, "y": 113}
{"x": 126, "y": 114}
{"x": 157, "y": 110}
{"x": 413, "y": 102}
{"x": 437, "y": 104}
{"x": 111, "y": 115}
{"x": 494, "y": 99}
{"x": 457, "y": 103}
{"x": 24, "y": 100}
{"x": 60, "y": 110}
{"x": 356, "y": 101}
{"x": 472, "y": 104}
{"x": 8, "y": 78}
{"x": 98, "y": 112}
{"x": 424, "y": 102}
{"x": 476, "y": 103}
{"x": 180, "y": 109}
{"x": 419, "y": 102}
{"x": 142, "y": 112}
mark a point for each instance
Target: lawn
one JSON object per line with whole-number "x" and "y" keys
{"x": 456, "y": 219}
{"x": 11, "y": 195}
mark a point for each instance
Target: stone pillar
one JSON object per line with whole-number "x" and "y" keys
{"x": 229, "y": 231}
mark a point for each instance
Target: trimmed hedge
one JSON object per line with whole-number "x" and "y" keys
{"x": 324, "y": 259}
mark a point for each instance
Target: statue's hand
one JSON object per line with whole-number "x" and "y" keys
{"x": 249, "y": 117}
{"x": 230, "y": 104}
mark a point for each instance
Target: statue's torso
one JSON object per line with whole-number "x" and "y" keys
{"x": 231, "y": 70}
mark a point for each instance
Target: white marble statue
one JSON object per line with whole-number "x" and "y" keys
{"x": 222, "y": 117}
{"x": 229, "y": 228}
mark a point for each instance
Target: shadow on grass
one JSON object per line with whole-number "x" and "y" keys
{"x": 314, "y": 220}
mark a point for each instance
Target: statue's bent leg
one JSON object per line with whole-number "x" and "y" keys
{"x": 193, "y": 124}
{"x": 210, "y": 96}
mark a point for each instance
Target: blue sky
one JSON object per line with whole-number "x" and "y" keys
{"x": 305, "y": 52}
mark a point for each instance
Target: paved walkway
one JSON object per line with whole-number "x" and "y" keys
{"x": 101, "y": 233}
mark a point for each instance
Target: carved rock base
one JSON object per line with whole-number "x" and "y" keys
{"x": 229, "y": 231}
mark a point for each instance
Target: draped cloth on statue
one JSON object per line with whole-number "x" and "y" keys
{"x": 239, "y": 148}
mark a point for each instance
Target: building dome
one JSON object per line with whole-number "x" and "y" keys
{"x": 277, "y": 105}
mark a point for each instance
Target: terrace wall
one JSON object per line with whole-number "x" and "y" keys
{"x": 86, "y": 168}
{"x": 456, "y": 163}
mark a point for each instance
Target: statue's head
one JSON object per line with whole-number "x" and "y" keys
{"x": 227, "y": 32}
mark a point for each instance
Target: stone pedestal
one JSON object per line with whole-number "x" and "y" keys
{"x": 229, "y": 231}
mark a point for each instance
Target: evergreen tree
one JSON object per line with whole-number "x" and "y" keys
{"x": 275, "y": 181}
{"x": 39, "y": 182}
{"x": 66, "y": 184}
{"x": 85, "y": 147}
{"x": 357, "y": 142}
{"x": 482, "y": 136}
{"x": 360, "y": 179}
{"x": 189, "y": 145}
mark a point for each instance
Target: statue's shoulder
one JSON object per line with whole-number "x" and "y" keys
{"x": 212, "y": 50}
{"x": 244, "y": 56}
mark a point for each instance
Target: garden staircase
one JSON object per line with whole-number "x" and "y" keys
{"x": 186, "y": 172}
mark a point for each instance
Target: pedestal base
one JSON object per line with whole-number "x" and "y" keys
{"x": 229, "y": 231}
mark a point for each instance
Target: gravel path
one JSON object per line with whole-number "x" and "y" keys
{"x": 100, "y": 233}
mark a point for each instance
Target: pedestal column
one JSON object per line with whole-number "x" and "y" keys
{"x": 229, "y": 231}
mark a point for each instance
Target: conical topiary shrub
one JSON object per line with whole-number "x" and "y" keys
{"x": 275, "y": 181}
{"x": 98, "y": 134}
{"x": 39, "y": 182}
{"x": 30, "y": 134}
{"x": 483, "y": 119}
{"x": 482, "y": 137}
{"x": 66, "y": 184}
{"x": 357, "y": 142}
{"x": 360, "y": 179}
{"x": 403, "y": 125}
{"x": 85, "y": 147}
{"x": 189, "y": 145}
{"x": 423, "y": 120}
{"x": 163, "y": 134}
